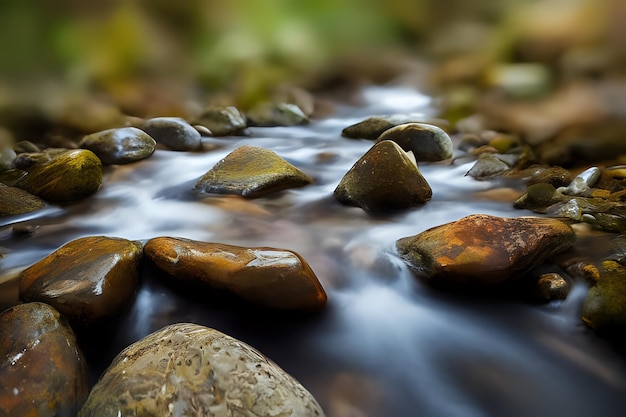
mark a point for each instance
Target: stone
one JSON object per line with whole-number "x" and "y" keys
{"x": 538, "y": 197}
{"x": 582, "y": 183}
{"x": 42, "y": 370}
{"x": 370, "y": 128}
{"x": 427, "y": 142}
{"x": 385, "y": 178}
{"x": 173, "y": 132}
{"x": 268, "y": 114}
{"x": 551, "y": 286}
{"x": 186, "y": 369}
{"x": 605, "y": 306}
{"x": 251, "y": 172}
{"x": 119, "y": 146}
{"x": 481, "y": 251}
{"x": 7, "y": 158}
{"x": 223, "y": 121}
{"x": 88, "y": 280}
{"x": 488, "y": 166}
{"x": 17, "y": 201}
{"x": 64, "y": 176}
{"x": 267, "y": 277}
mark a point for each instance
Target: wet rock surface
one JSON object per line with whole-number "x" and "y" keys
{"x": 251, "y": 172}
{"x": 268, "y": 277}
{"x": 88, "y": 279}
{"x": 223, "y": 121}
{"x": 427, "y": 142}
{"x": 42, "y": 370}
{"x": 174, "y": 132}
{"x": 119, "y": 146}
{"x": 605, "y": 306}
{"x": 483, "y": 251}
{"x": 269, "y": 114}
{"x": 187, "y": 369}
{"x": 17, "y": 201}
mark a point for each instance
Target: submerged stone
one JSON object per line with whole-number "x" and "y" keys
{"x": 223, "y": 121}
{"x": 268, "y": 277}
{"x": 17, "y": 201}
{"x": 483, "y": 251}
{"x": 88, "y": 279}
{"x": 427, "y": 142}
{"x": 63, "y": 176}
{"x": 173, "y": 132}
{"x": 251, "y": 172}
{"x": 186, "y": 369}
{"x": 269, "y": 114}
{"x": 605, "y": 307}
{"x": 385, "y": 178}
{"x": 119, "y": 146}
{"x": 42, "y": 370}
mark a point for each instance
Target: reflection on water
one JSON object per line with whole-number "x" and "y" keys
{"x": 386, "y": 345}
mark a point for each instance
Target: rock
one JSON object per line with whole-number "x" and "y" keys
{"x": 269, "y": 114}
{"x": 7, "y": 158}
{"x": 66, "y": 176}
{"x": 551, "y": 286}
{"x": 251, "y": 172}
{"x": 582, "y": 183}
{"x": 370, "y": 128}
{"x": 187, "y": 369}
{"x": 17, "y": 201}
{"x": 488, "y": 166}
{"x": 223, "y": 121}
{"x": 173, "y": 132}
{"x": 42, "y": 370}
{"x": 605, "y": 307}
{"x": 385, "y": 178}
{"x": 268, "y": 277}
{"x": 480, "y": 251}
{"x": 88, "y": 279}
{"x": 538, "y": 197}
{"x": 427, "y": 142}
{"x": 119, "y": 146}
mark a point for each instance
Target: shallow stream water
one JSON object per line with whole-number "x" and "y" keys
{"x": 386, "y": 345}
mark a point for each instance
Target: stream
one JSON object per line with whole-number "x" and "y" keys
{"x": 386, "y": 345}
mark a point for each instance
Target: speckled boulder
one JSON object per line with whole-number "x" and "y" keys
{"x": 119, "y": 146}
{"x": 186, "y": 369}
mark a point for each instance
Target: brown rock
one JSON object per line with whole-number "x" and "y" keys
{"x": 87, "y": 280}
{"x": 269, "y": 277}
{"x": 42, "y": 371}
{"x": 16, "y": 201}
{"x": 482, "y": 251}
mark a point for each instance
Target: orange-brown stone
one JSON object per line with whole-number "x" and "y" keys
{"x": 269, "y": 277}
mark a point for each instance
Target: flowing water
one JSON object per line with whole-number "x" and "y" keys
{"x": 386, "y": 345}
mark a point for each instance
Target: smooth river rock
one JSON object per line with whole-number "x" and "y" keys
{"x": 65, "y": 175}
{"x": 87, "y": 280}
{"x": 251, "y": 172}
{"x": 370, "y": 128}
{"x": 267, "y": 114}
{"x": 223, "y": 121}
{"x": 385, "y": 178}
{"x": 190, "y": 370}
{"x": 268, "y": 277}
{"x": 427, "y": 142}
{"x": 42, "y": 370}
{"x": 605, "y": 307}
{"x": 173, "y": 132}
{"x": 480, "y": 251}
{"x": 119, "y": 146}
{"x": 17, "y": 201}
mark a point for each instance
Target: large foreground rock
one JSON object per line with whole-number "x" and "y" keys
{"x": 482, "y": 251}
{"x": 269, "y": 277}
{"x": 191, "y": 370}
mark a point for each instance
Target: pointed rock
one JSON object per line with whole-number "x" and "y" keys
{"x": 427, "y": 142}
{"x": 119, "y": 146}
{"x": 385, "y": 178}
{"x": 269, "y": 277}
{"x": 87, "y": 280}
{"x": 480, "y": 251}
{"x": 186, "y": 369}
{"x": 251, "y": 172}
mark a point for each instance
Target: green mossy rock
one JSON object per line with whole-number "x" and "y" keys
{"x": 605, "y": 307}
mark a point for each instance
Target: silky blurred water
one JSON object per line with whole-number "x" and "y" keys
{"x": 386, "y": 345}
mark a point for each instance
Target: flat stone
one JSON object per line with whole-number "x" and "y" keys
{"x": 251, "y": 172}
{"x": 87, "y": 280}
{"x": 223, "y": 121}
{"x": 119, "y": 146}
{"x": 42, "y": 370}
{"x": 385, "y": 178}
{"x": 268, "y": 277}
{"x": 173, "y": 132}
{"x": 483, "y": 251}
{"x": 17, "y": 201}
{"x": 63, "y": 176}
{"x": 187, "y": 369}
{"x": 427, "y": 142}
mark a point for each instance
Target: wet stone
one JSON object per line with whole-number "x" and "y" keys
{"x": 173, "y": 132}
{"x": 538, "y": 197}
{"x": 88, "y": 279}
{"x": 63, "y": 176}
{"x": 605, "y": 307}
{"x": 268, "y": 114}
{"x": 370, "y": 128}
{"x": 186, "y": 369}
{"x": 488, "y": 166}
{"x": 17, "y": 201}
{"x": 481, "y": 251}
{"x": 427, "y": 142}
{"x": 42, "y": 370}
{"x": 251, "y": 172}
{"x": 268, "y": 277}
{"x": 551, "y": 286}
{"x": 119, "y": 146}
{"x": 385, "y": 178}
{"x": 7, "y": 158}
{"x": 223, "y": 121}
